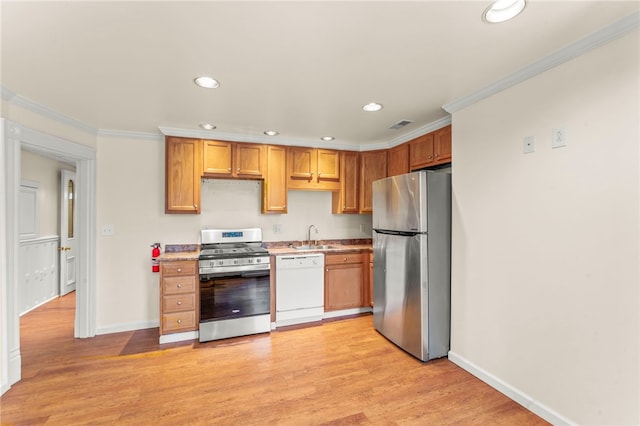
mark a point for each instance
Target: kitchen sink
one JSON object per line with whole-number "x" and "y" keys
{"x": 315, "y": 247}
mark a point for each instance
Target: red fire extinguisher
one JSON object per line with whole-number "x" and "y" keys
{"x": 155, "y": 253}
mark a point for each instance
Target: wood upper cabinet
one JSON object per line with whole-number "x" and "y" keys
{"x": 421, "y": 152}
{"x": 398, "y": 160}
{"x": 312, "y": 168}
{"x": 431, "y": 149}
{"x": 231, "y": 159}
{"x": 274, "y": 188}
{"x": 343, "y": 281}
{"x": 442, "y": 145}
{"x": 373, "y": 166}
{"x": 346, "y": 199}
{"x": 182, "y": 175}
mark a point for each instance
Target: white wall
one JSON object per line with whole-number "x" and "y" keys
{"x": 46, "y": 172}
{"x": 131, "y": 198}
{"x": 545, "y": 282}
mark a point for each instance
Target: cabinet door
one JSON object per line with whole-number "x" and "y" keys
{"x": 346, "y": 199}
{"x": 373, "y": 166}
{"x": 421, "y": 152}
{"x": 217, "y": 157}
{"x": 249, "y": 160}
{"x": 398, "y": 160}
{"x": 343, "y": 286}
{"x": 328, "y": 165}
{"x": 274, "y": 188}
{"x": 182, "y": 175}
{"x": 442, "y": 145}
{"x": 301, "y": 163}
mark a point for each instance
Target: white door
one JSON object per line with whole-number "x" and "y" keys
{"x": 68, "y": 237}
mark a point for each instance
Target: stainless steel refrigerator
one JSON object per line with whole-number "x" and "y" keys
{"x": 412, "y": 261}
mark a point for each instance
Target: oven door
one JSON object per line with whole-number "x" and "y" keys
{"x": 234, "y": 295}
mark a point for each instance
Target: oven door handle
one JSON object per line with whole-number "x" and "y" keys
{"x": 260, "y": 273}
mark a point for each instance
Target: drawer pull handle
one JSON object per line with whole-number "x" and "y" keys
{"x": 179, "y": 302}
{"x": 179, "y": 270}
{"x": 179, "y": 321}
{"x": 179, "y": 285}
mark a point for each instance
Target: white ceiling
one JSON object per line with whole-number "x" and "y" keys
{"x": 302, "y": 68}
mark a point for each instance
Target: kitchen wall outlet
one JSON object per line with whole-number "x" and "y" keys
{"x": 277, "y": 228}
{"x": 558, "y": 138}
{"x": 362, "y": 227}
{"x": 528, "y": 144}
{"x": 108, "y": 230}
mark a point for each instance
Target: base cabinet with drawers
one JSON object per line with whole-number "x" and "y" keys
{"x": 178, "y": 297}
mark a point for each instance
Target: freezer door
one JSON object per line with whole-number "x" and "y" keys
{"x": 400, "y": 291}
{"x": 399, "y": 203}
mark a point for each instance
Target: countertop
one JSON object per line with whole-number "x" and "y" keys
{"x": 176, "y": 253}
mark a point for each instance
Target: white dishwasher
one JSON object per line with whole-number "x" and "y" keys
{"x": 299, "y": 288}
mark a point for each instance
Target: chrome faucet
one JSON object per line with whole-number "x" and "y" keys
{"x": 309, "y": 234}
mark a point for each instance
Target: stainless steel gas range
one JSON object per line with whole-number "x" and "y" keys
{"x": 235, "y": 275}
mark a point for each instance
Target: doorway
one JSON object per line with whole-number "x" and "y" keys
{"x": 14, "y": 138}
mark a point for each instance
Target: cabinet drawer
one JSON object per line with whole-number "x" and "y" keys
{"x": 179, "y": 321}
{"x": 180, "y": 302}
{"x": 179, "y": 268}
{"x": 336, "y": 259}
{"x": 178, "y": 284}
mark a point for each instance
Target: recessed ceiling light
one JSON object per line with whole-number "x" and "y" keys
{"x": 327, "y": 138}
{"x": 271, "y": 133}
{"x": 207, "y": 126}
{"x": 206, "y": 82}
{"x": 372, "y": 107}
{"x": 503, "y": 10}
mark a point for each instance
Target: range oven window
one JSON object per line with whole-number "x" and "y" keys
{"x": 234, "y": 296}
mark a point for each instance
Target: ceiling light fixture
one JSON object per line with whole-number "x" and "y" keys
{"x": 207, "y": 126}
{"x": 327, "y": 138}
{"x": 372, "y": 107}
{"x": 271, "y": 133}
{"x": 206, "y": 82}
{"x": 503, "y": 10}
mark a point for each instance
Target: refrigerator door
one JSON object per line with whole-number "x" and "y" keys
{"x": 399, "y": 203}
{"x": 400, "y": 291}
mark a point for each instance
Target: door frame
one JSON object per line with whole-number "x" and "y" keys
{"x": 13, "y": 139}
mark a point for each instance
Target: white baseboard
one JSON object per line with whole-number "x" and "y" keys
{"x": 131, "y": 326}
{"x": 40, "y": 304}
{"x": 515, "y": 394}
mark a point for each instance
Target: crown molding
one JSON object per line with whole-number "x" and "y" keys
{"x": 573, "y": 50}
{"x": 28, "y": 104}
{"x": 130, "y": 135}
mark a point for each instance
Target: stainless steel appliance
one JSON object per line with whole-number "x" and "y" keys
{"x": 235, "y": 276}
{"x": 412, "y": 261}
{"x": 299, "y": 288}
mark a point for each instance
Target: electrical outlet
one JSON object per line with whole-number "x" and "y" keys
{"x": 558, "y": 138}
{"x": 108, "y": 230}
{"x": 362, "y": 227}
{"x": 528, "y": 145}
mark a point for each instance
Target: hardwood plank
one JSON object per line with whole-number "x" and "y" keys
{"x": 337, "y": 373}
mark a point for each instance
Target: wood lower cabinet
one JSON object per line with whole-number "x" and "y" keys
{"x": 346, "y": 199}
{"x": 182, "y": 175}
{"x": 179, "y": 301}
{"x": 373, "y": 166}
{"x": 274, "y": 188}
{"x": 343, "y": 281}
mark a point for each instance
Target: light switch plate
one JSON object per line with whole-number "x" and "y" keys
{"x": 558, "y": 138}
{"x": 108, "y": 230}
{"x": 528, "y": 144}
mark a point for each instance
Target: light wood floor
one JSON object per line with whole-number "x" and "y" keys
{"x": 339, "y": 373}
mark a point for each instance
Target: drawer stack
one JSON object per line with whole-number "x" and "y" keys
{"x": 178, "y": 296}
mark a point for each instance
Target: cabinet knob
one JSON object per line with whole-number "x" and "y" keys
{"x": 179, "y": 302}
{"x": 229, "y": 168}
{"x": 179, "y": 321}
{"x": 179, "y": 286}
{"x": 345, "y": 259}
{"x": 179, "y": 270}
{"x": 195, "y": 206}
{"x": 238, "y": 169}
{"x": 327, "y": 270}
